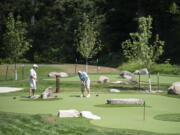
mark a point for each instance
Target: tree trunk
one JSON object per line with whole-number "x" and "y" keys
{"x": 86, "y": 65}
{"x": 32, "y": 17}
{"x": 15, "y": 71}
{"x": 149, "y": 82}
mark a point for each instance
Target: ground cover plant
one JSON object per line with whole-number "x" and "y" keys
{"x": 21, "y": 115}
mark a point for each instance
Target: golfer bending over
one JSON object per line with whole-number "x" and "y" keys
{"x": 33, "y": 80}
{"x": 85, "y": 83}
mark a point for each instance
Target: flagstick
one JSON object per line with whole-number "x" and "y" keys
{"x": 144, "y": 109}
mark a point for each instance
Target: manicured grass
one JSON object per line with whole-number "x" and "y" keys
{"x": 23, "y": 124}
{"x": 25, "y": 114}
{"x": 130, "y": 118}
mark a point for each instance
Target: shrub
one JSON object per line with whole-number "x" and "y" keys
{"x": 161, "y": 68}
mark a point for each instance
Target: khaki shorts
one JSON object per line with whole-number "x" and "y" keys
{"x": 87, "y": 84}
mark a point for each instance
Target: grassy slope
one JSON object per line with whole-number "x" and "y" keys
{"x": 21, "y": 124}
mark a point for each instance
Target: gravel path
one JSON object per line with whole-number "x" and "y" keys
{"x": 9, "y": 89}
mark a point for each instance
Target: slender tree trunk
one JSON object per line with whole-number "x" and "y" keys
{"x": 15, "y": 70}
{"x": 140, "y": 9}
{"x": 149, "y": 76}
{"x": 86, "y": 65}
{"x": 32, "y": 17}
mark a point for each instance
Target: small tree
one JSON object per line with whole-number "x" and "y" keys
{"x": 15, "y": 39}
{"x": 140, "y": 47}
{"x": 86, "y": 39}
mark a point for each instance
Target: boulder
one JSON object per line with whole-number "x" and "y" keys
{"x": 48, "y": 93}
{"x": 103, "y": 79}
{"x": 126, "y": 75}
{"x": 117, "y": 82}
{"x": 68, "y": 113}
{"x": 125, "y": 101}
{"x": 61, "y": 74}
{"x": 174, "y": 89}
{"x": 114, "y": 90}
{"x": 35, "y": 96}
{"x": 141, "y": 71}
{"x": 89, "y": 115}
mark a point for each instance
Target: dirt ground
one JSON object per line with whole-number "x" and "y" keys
{"x": 91, "y": 69}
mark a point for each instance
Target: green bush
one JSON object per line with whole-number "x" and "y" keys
{"x": 161, "y": 68}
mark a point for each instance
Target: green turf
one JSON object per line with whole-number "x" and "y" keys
{"x": 120, "y": 118}
{"x": 127, "y": 119}
{"x": 23, "y": 124}
{"x": 163, "y": 79}
{"x": 119, "y": 105}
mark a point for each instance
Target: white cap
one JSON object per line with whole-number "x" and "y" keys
{"x": 35, "y": 65}
{"x": 79, "y": 72}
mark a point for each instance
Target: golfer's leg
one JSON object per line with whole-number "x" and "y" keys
{"x": 88, "y": 88}
{"x": 82, "y": 90}
{"x": 33, "y": 92}
{"x": 30, "y": 92}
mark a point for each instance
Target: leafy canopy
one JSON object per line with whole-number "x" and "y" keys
{"x": 140, "y": 46}
{"x": 15, "y": 37}
{"x": 86, "y": 39}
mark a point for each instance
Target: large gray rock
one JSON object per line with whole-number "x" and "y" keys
{"x": 89, "y": 115}
{"x": 48, "y": 93}
{"x": 68, "y": 113}
{"x": 174, "y": 89}
{"x": 114, "y": 90}
{"x": 141, "y": 71}
{"x": 117, "y": 82}
{"x": 103, "y": 79}
{"x": 125, "y": 101}
{"x": 61, "y": 74}
{"x": 128, "y": 75}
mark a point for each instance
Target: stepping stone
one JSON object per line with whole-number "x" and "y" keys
{"x": 68, "y": 113}
{"x": 125, "y": 101}
{"x": 89, "y": 115}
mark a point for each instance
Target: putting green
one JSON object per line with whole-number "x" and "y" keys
{"x": 111, "y": 117}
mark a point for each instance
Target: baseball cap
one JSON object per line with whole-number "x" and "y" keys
{"x": 35, "y": 65}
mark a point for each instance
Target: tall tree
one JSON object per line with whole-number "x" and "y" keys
{"x": 15, "y": 39}
{"x": 141, "y": 47}
{"x": 86, "y": 39}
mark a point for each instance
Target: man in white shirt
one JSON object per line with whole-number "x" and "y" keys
{"x": 33, "y": 80}
{"x": 85, "y": 83}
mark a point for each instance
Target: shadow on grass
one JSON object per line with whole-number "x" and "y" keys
{"x": 120, "y": 105}
{"x": 168, "y": 117}
{"x": 26, "y": 98}
{"x": 171, "y": 95}
{"x": 125, "y": 87}
{"x": 77, "y": 96}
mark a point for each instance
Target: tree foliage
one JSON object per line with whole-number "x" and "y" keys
{"x": 141, "y": 47}
{"x": 86, "y": 39}
{"x": 15, "y": 37}
{"x": 55, "y": 21}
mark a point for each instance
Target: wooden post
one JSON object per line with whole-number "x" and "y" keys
{"x": 75, "y": 65}
{"x": 139, "y": 81}
{"x": 158, "y": 80}
{"x": 22, "y": 71}
{"x": 6, "y": 72}
{"x": 144, "y": 115}
{"x": 57, "y": 83}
